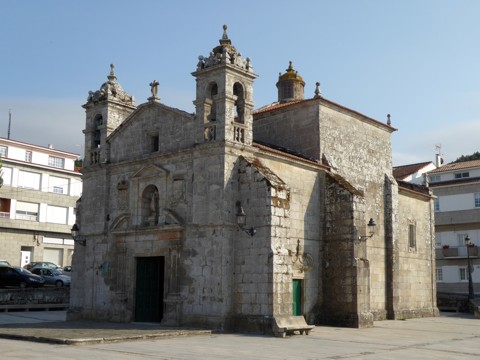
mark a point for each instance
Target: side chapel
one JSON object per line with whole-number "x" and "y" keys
{"x": 233, "y": 217}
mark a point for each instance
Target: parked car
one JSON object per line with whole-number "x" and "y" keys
{"x": 4, "y": 263}
{"x": 42, "y": 265}
{"x": 67, "y": 269}
{"x": 53, "y": 277}
{"x": 18, "y": 276}
{"x": 29, "y": 265}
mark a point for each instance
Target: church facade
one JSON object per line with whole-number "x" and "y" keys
{"x": 233, "y": 217}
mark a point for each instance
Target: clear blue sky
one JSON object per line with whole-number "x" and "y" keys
{"x": 415, "y": 59}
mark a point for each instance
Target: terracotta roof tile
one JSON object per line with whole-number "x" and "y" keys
{"x": 277, "y": 105}
{"x": 456, "y": 166}
{"x": 401, "y": 172}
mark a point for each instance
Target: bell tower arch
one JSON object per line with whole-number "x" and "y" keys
{"x": 105, "y": 109}
{"x": 224, "y": 95}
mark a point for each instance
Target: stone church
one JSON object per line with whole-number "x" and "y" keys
{"x": 232, "y": 218}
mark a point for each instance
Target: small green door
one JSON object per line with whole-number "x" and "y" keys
{"x": 149, "y": 289}
{"x": 297, "y": 297}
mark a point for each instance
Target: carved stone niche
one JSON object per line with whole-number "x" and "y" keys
{"x": 149, "y": 195}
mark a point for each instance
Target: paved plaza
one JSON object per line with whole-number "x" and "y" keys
{"x": 451, "y": 336}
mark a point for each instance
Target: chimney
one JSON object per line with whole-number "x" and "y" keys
{"x": 438, "y": 160}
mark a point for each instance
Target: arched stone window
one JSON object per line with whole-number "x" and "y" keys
{"x": 239, "y": 103}
{"x": 97, "y": 135}
{"x": 210, "y": 105}
{"x": 150, "y": 206}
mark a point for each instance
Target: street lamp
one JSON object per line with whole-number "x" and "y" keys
{"x": 471, "y": 294}
{"x": 75, "y": 235}
{"x": 242, "y": 220}
{"x": 371, "y": 229}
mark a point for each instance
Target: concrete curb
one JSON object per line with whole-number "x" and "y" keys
{"x": 108, "y": 339}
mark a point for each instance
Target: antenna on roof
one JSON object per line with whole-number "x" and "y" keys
{"x": 438, "y": 155}
{"x": 9, "y": 123}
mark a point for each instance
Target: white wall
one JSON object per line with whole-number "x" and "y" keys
{"x": 457, "y": 202}
{"x": 451, "y": 175}
{"x": 451, "y": 274}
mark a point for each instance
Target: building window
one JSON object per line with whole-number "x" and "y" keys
{"x": 28, "y": 156}
{"x": 461, "y": 239}
{"x": 97, "y": 136}
{"x": 438, "y": 240}
{"x": 463, "y": 273}
{"x": 57, "y": 214}
{"x": 3, "y": 151}
{"x": 477, "y": 199}
{"x": 58, "y": 185}
{"x": 56, "y": 162}
{"x": 435, "y": 178}
{"x": 412, "y": 237}
{"x": 436, "y": 204}
{"x": 26, "y": 211}
{"x": 29, "y": 180}
{"x": 154, "y": 143}
{"x": 5, "y": 208}
{"x": 6, "y": 175}
{"x": 462, "y": 175}
{"x": 439, "y": 275}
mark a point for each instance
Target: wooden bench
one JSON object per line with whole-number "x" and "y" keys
{"x": 289, "y": 324}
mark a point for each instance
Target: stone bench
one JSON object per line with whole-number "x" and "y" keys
{"x": 289, "y": 324}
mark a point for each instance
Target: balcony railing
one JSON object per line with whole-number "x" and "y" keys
{"x": 29, "y": 217}
{"x": 94, "y": 156}
{"x": 239, "y": 133}
{"x": 209, "y": 133}
{"x": 455, "y": 252}
{"x": 4, "y": 214}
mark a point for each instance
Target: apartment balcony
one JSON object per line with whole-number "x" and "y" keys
{"x": 456, "y": 252}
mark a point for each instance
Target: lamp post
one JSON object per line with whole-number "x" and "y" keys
{"x": 471, "y": 294}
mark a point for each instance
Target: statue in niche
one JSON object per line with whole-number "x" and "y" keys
{"x": 154, "y": 204}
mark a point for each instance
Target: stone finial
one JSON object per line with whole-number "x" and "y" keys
{"x": 225, "y": 36}
{"x": 317, "y": 90}
{"x": 290, "y": 66}
{"x": 154, "y": 89}
{"x": 389, "y": 122}
{"x": 111, "y": 77}
{"x": 225, "y": 40}
{"x": 248, "y": 63}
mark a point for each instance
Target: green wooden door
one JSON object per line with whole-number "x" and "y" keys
{"x": 297, "y": 297}
{"x": 149, "y": 289}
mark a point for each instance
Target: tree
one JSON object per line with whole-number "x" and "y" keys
{"x": 474, "y": 156}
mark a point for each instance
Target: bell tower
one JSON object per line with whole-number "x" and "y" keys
{"x": 224, "y": 95}
{"x": 105, "y": 109}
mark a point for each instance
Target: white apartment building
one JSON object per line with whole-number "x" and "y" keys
{"x": 37, "y": 203}
{"x": 457, "y": 215}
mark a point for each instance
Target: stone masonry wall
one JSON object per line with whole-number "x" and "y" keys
{"x": 174, "y": 129}
{"x": 415, "y": 293}
{"x": 347, "y": 268}
{"x": 296, "y": 129}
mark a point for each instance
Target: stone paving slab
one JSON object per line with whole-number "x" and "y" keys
{"x": 90, "y": 332}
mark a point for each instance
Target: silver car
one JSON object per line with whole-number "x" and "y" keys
{"x": 53, "y": 277}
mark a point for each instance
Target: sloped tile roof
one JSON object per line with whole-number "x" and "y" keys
{"x": 456, "y": 166}
{"x": 276, "y": 106}
{"x": 401, "y": 172}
